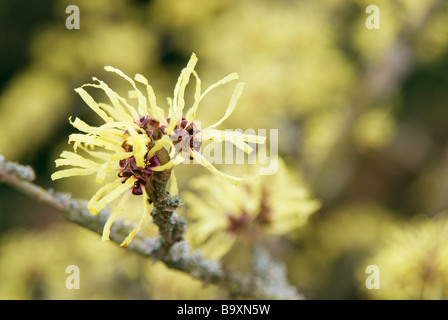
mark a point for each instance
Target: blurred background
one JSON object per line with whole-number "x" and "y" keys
{"x": 362, "y": 115}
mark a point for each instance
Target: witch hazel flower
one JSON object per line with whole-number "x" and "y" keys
{"x": 136, "y": 141}
{"x": 182, "y": 128}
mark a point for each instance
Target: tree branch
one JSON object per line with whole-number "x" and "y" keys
{"x": 268, "y": 282}
{"x": 171, "y": 226}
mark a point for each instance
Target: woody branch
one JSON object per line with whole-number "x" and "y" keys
{"x": 268, "y": 281}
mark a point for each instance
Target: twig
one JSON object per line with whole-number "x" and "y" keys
{"x": 171, "y": 227}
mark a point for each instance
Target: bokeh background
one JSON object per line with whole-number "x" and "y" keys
{"x": 362, "y": 114}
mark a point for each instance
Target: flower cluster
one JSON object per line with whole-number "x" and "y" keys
{"x": 134, "y": 142}
{"x": 275, "y": 204}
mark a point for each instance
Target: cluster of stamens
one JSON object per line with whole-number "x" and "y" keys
{"x": 185, "y": 135}
{"x": 129, "y": 167}
{"x": 242, "y": 222}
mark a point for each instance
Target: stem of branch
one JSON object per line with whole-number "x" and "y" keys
{"x": 171, "y": 227}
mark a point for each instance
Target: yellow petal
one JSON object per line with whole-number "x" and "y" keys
{"x": 204, "y": 162}
{"x": 174, "y": 190}
{"x": 154, "y": 110}
{"x": 90, "y": 140}
{"x": 145, "y": 215}
{"x": 232, "y": 104}
{"x": 114, "y": 215}
{"x": 171, "y": 115}
{"x": 73, "y": 159}
{"x": 169, "y": 164}
{"x": 108, "y": 156}
{"x": 112, "y": 111}
{"x": 139, "y": 145}
{"x": 207, "y": 134}
{"x": 197, "y": 98}
{"x": 179, "y": 90}
{"x": 71, "y": 173}
{"x": 115, "y": 99}
{"x": 226, "y": 79}
{"x": 235, "y": 137}
{"x": 142, "y": 107}
{"x": 101, "y": 174}
{"x": 92, "y": 104}
{"x": 174, "y": 120}
{"x": 165, "y": 141}
{"x": 113, "y": 189}
{"x": 81, "y": 125}
{"x": 118, "y": 128}
{"x": 100, "y": 192}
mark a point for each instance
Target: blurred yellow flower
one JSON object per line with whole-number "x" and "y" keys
{"x": 222, "y": 214}
{"x": 413, "y": 261}
{"x": 136, "y": 141}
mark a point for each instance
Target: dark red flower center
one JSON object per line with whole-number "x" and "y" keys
{"x": 185, "y": 135}
{"x": 238, "y": 223}
{"x": 129, "y": 166}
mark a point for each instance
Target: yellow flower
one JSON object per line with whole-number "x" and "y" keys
{"x": 182, "y": 129}
{"x": 412, "y": 261}
{"x": 121, "y": 147}
{"x": 130, "y": 143}
{"x": 222, "y": 214}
